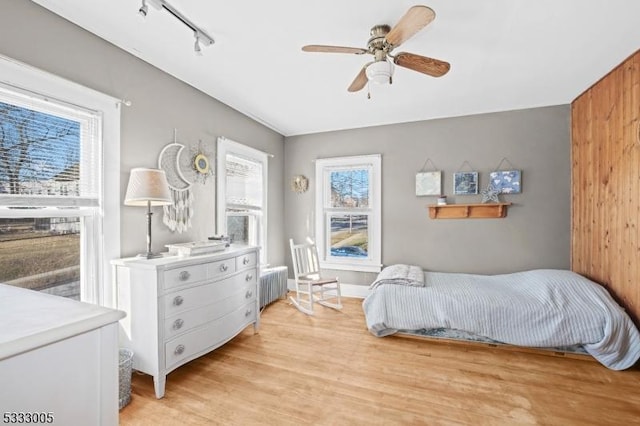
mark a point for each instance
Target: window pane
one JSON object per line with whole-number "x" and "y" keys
{"x": 238, "y": 229}
{"x": 244, "y": 227}
{"x": 350, "y": 236}
{"x": 39, "y": 153}
{"x": 350, "y": 188}
{"x": 41, "y": 254}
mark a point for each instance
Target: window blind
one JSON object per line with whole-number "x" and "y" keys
{"x": 244, "y": 183}
{"x": 49, "y": 152}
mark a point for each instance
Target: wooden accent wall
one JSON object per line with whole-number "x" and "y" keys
{"x": 605, "y": 129}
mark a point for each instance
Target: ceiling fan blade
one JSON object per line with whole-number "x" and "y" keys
{"x": 360, "y": 81}
{"x": 416, "y": 18}
{"x": 429, "y": 66}
{"x": 333, "y": 49}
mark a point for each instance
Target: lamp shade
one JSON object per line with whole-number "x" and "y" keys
{"x": 147, "y": 186}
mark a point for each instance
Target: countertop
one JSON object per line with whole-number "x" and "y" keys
{"x": 30, "y": 319}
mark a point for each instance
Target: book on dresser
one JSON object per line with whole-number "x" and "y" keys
{"x": 182, "y": 307}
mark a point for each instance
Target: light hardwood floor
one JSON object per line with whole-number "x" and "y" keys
{"x": 329, "y": 370}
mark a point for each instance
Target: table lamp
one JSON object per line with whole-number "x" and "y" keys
{"x": 148, "y": 187}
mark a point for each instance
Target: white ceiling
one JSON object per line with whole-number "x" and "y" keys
{"x": 504, "y": 54}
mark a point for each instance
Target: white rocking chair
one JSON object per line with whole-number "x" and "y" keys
{"x": 311, "y": 287}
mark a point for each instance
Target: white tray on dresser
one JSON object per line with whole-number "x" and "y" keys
{"x": 179, "y": 308}
{"x": 195, "y": 248}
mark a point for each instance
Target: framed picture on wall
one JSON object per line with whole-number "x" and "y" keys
{"x": 506, "y": 181}
{"x": 465, "y": 183}
{"x": 429, "y": 183}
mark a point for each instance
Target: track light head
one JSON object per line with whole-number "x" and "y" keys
{"x": 204, "y": 39}
{"x": 144, "y": 9}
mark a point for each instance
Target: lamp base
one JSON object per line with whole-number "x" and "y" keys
{"x": 150, "y": 255}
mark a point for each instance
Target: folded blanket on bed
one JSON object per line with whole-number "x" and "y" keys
{"x": 400, "y": 274}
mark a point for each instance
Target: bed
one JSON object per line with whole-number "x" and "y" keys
{"x": 540, "y": 308}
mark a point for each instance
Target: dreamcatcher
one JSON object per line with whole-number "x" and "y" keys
{"x": 177, "y": 216}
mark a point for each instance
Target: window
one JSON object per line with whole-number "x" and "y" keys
{"x": 242, "y": 194}
{"x": 54, "y": 193}
{"x": 348, "y": 203}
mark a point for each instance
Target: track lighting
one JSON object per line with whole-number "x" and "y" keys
{"x": 201, "y": 36}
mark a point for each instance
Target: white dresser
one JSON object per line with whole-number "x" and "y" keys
{"x": 179, "y": 308}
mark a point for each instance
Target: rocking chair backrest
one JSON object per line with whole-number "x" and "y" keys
{"x": 305, "y": 258}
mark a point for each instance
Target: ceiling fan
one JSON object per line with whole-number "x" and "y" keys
{"x": 383, "y": 40}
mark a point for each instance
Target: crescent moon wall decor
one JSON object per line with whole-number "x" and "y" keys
{"x": 169, "y": 162}
{"x": 177, "y": 216}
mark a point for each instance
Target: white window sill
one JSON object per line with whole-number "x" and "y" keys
{"x": 351, "y": 266}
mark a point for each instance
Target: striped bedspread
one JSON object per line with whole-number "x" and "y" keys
{"x": 539, "y": 308}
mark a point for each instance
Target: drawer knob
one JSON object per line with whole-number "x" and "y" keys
{"x": 223, "y": 268}
{"x": 249, "y": 277}
{"x": 245, "y": 261}
{"x": 248, "y": 312}
{"x": 184, "y": 275}
{"x": 179, "y": 350}
{"x": 177, "y": 324}
{"x": 248, "y": 294}
{"x": 177, "y": 301}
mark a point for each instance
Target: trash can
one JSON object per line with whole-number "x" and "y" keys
{"x": 125, "y": 364}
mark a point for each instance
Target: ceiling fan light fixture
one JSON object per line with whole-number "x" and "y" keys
{"x": 380, "y": 72}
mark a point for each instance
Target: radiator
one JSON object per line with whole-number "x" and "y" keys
{"x": 273, "y": 284}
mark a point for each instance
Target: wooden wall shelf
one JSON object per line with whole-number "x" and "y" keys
{"x": 468, "y": 211}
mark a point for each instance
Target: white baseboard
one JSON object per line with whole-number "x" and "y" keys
{"x": 347, "y": 290}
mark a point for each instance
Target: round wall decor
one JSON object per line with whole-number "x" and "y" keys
{"x": 201, "y": 163}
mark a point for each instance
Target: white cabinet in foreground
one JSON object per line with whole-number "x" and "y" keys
{"x": 58, "y": 360}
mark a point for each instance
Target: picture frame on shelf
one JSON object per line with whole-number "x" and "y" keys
{"x": 465, "y": 183}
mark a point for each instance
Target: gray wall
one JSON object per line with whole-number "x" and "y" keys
{"x": 536, "y": 231}
{"x": 160, "y": 103}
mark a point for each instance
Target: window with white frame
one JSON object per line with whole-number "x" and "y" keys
{"x": 242, "y": 194}
{"x": 348, "y": 205}
{"x": 53, "y": 205}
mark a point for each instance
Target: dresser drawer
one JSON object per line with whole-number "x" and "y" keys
{"x": 246, "y": 261}
{"x": 185, "y": 275}
{"x": 184, "y": 321}
{"x": 208, "y": 336}
{"x": 184, "y": 300}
